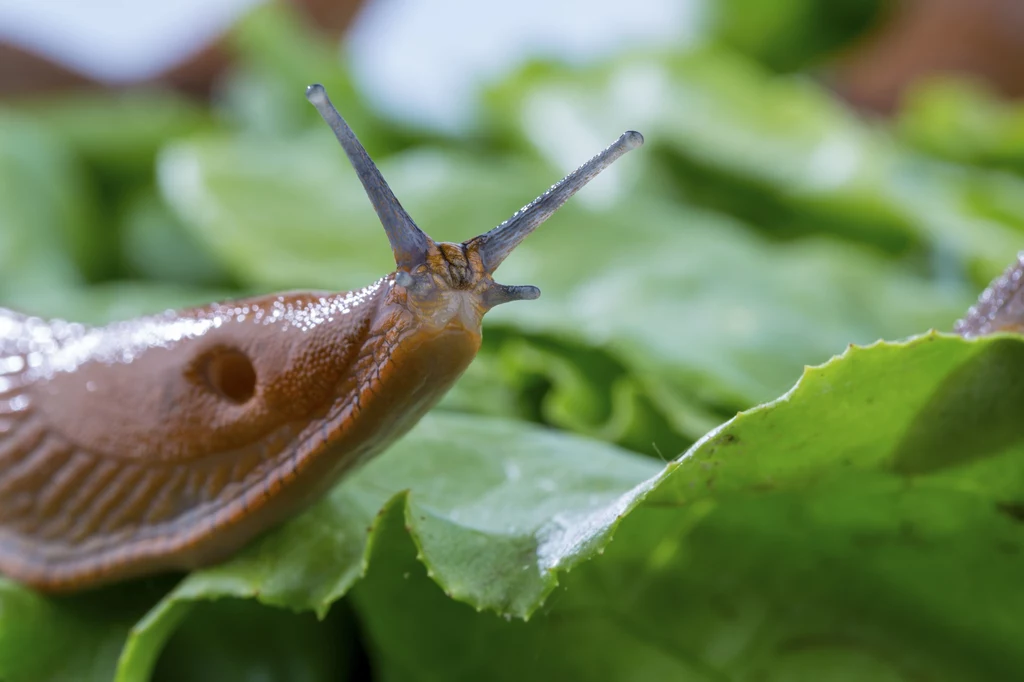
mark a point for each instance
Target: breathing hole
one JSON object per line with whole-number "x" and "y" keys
{"x": 230, "y": 373}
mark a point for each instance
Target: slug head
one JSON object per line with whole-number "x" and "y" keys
{"x": 444, "y": 280}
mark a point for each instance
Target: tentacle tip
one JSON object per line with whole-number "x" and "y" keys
{"x": 529, "y": 293}
{"x": 316, "y": 94}
{"x": 503, "y": 293}
{"x": 632, "y": 139}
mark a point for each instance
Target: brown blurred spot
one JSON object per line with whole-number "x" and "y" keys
{"x": 921, "y": 38}
{"x": 25, "y": 73}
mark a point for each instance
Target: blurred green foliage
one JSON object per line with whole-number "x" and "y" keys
{"x": 790, "y": 34}
{"x": 863, "y": 526}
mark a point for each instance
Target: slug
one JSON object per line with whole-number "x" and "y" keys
{"x": 1000, "y": 307}
{"x": 169, "y": 442}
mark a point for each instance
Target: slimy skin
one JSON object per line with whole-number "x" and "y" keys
{"x": 169, "y": 442}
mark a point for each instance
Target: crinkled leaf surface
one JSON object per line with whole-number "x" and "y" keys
{"x": 495, "y": 507}
{"x": 724, "y": 315}
{"x": 853, "y": 529}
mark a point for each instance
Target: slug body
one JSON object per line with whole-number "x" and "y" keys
{"x": 1000, "y": 308}
{"x": 169, "y": 442}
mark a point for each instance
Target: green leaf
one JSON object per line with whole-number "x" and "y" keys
{"x": 241, "y": 640}
{"x": 118, "y": 133}
{"x": 864, "y": 526}
{"x": 959, "y": 120}
{"x": 77, "y": 638}
{"x": 702, "y": 305}
{"x": 516, "y": 504}
{"x": 277, "y": 55}
{"x": 577, "y": 387}
{"x": 157, "y": 247}
{"x": 45, "y": 212}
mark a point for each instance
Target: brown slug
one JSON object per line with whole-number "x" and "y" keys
{"x": 168, "y": 442}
